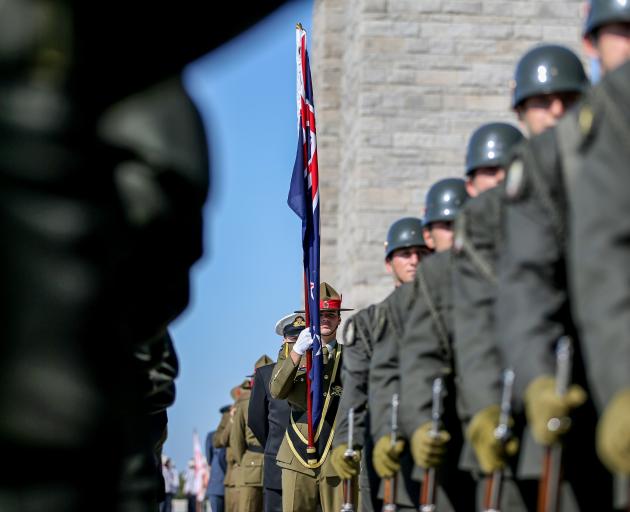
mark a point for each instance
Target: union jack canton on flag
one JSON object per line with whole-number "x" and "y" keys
{"x": 304, "y": 201}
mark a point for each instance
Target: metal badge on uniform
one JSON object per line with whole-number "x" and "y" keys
{"x": 585, "y": 120}
{"x": 348, "y": 333}
{"x": 381, "y": 318}
{"x": 514, "y": 180}
{"x": 458, "y": 238}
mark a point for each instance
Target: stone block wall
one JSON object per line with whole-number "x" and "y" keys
{"x": 399, "y": 86}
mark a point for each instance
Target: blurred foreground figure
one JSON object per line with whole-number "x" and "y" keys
{"x": 103, "y": 176}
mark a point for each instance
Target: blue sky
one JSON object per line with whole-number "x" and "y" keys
{"x": 251, "y": 272}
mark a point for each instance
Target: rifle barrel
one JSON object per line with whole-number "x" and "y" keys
{"x": 549, "y": 490}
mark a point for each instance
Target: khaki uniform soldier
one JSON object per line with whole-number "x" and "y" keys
{"x": 248, "y": 453}
{"x": 600, "y": 256}
{"x": 533, "y": 281}
{"x": 305, "y": 486}
{"x": 404, "y": 248}
{"x": 268, "y": 418}
{"x": 418, "y": 322}
{"x": 476, "y": 353}
{"x": 222, "y": 440}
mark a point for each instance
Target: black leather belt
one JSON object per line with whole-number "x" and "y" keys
{"x": 256, "y": 449}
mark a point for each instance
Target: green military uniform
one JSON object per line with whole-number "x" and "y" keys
{"x": 599, "y": 253}
{"x": 532, "y": 282}
{"x": 389, "y": 371}
{"x": 383, "y": 383}
{"x": 477, "y": 358}
{"x": 360, "y": 332}
{"x": 356, "y": 363}
{"x": 249, "y": 453}
{"x": 422, "y": 313}
{"x": 222, "y": 440}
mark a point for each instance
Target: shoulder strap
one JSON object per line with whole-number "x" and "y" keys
{"x": 364, "y": 330}
{"x": 464, "y": 244}
{"x": 438, "y": 322}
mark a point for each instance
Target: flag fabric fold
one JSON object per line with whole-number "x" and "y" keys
{"x": 201, "y": 468}
{"x": 304, "y": 201}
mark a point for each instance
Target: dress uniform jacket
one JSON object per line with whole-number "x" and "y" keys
{"x": 478, "y": 359}
{"x": 358, "y": 335}
{"x": 289, "y": 382}
{"x": 532, "y": 307}
{"x": 247, "y": 450}
{"x": 268, "y": 420}
{"x": 222, "y": 440}
{"x": 249, "y": 455}
{"x": 417, "y": 350}
{"x": 383, "y": 383}
{"x": 599, "y": 235}
{"x": 599, "y": 239}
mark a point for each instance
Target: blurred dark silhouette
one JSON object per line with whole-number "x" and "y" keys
{"x": 103, "y": 176}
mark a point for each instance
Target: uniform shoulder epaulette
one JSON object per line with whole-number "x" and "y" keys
{"x": 515, "y": 179}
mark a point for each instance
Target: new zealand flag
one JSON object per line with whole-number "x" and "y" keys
{"x": 304, "y": 200}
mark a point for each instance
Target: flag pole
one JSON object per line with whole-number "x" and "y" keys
{"x": 310, "y": 448}
{"x": 307, "y": 184}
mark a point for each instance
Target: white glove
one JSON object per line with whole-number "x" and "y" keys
{"x": 304, "y": 342}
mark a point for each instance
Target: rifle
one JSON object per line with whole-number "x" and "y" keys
{"x": 549, "y": 489}
{"x": 348, "y": 498}
{"x": 494, "y": 484}
{"x": 389, "y": 496}
{"x": 429, "y": 482}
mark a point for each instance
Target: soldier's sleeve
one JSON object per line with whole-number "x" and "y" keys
{"x": 283, "y": 378}
{"x": 259, "y": 409}
{"x": 222, "y": 434}
{"x": 531, "y": 295}
{"x": 354, "y": 375}
{"x": 476, "y": 353}
{"x": 384, "y": 377}
{"x": 237, "y": 436}
{"x": 600, "y": 241}
{"x": 422, "y": 353}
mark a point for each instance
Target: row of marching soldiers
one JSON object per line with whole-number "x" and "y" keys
{"x": 496, "y": 375}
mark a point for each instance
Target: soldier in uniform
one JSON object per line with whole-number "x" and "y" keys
{"x": 306, "y": 484}
{"x": 477, "y": 243}
{"x": 404, "y": 249}
{"x": 269, "y": 418}
{"x": 599, "y": 254}
{"x": 533, "y": 281}
{"x": 395, "y": 362}
{"x": 598, "y": 229}
{"x": 248, "y": 452}
{"x": 477, "y": 362}
{"x": 222, "y": 440}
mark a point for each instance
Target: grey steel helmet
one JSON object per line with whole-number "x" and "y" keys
{"x": 444, "y": 200}
{"x": 405, "y": 232}
{"x": 548, "y": 69}
{"x": 491, "y": 145}
{"x": 602, "y": 12}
